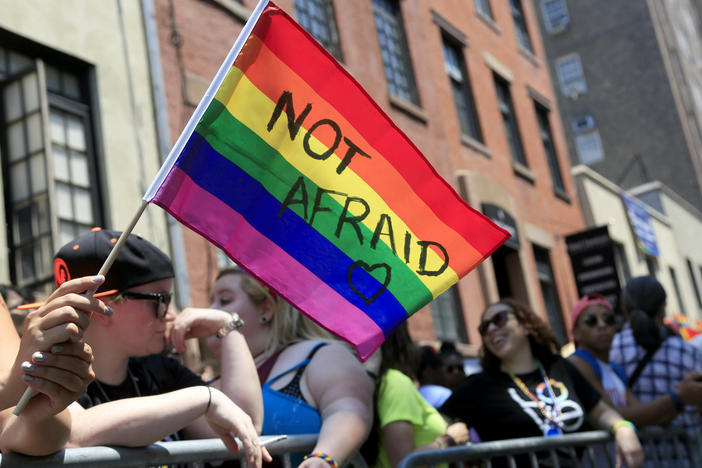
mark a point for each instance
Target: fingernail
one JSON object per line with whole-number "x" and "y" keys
{"x": 39, "y": 356}
{"x": 28, "y": 378}
{"x": 97, "y": 279}
{"x": 108, "y": 310}
{"x": 28, "y": 366}
{"x": 56, "y": 348}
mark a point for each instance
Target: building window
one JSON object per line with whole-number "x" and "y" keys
{"x": 676, "y": 287}
{"x": 520, "y": 25}
{"x": 447, "y": 315}
{"x": 549, "y": 292}
{"x": 571, "y": 76}
{"x": 693, "y": 280}
{"x": 587, "y": 140}
{"x": 504, "y": 102}
{"x": 589, "y": 147}
{"x": 483, "y": 7}
{"x": 50, "y": 183}
{"x": 317, "y": 17}
{"x": 621, "y": 262}
{"x": 555, "y": 13}
{"x": 460, "y": 85}
{"x": 394, "y": 50}
{"x": 549, "y": 148}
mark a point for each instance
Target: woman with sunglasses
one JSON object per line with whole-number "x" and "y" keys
{"x": 526, "y": 389}
{"x": 594, "y": 326}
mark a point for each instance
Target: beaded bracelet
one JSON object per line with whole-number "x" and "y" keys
{"x": 622, "y": 423}
{"x": 676, "y": 400}
{"x": 327, "y": 458}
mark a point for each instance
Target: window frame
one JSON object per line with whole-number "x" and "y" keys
{"x": 505, "y": 106}
{"x": 463, "y": 99}
{"x": 395, "y": 21}
{"x": 571, "y": 88}
{"x": 543, "y": 121}
{"x": 44, "y": 226}
{"x": 548, "y": 24}
{"x": 302, "y": 9}
{"x": 521, "y": 29}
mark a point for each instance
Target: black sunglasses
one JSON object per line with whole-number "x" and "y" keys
{"x": 450, "y": 369}
{"x": 163, "y": 300}
{"x": 591, "y": 320}
{"x": 499, "y": 319}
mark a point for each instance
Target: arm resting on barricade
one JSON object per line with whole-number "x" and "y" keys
{"x": 629, "y": 448}
{"x": 344, "y": 395}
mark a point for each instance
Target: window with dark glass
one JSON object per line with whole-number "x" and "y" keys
{"x": 447, "y": 315}
{"x": 50, "y": 183}
{"x": 483, "y": 6}
{"x": 520, "y": 25}
{"x": 544, "y": 271}
{"x": 504, "y": 102}
{"x": 317, "y": 17}
{"x": 550, "y": 150}
{"x": 676, "y": 287}
{"x": 455, "y": 67}
{"x": 394, "y": 50}
{"x": 693, "y": 280}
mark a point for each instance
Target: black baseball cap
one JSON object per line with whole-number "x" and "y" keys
{"x": 138, "y": 262}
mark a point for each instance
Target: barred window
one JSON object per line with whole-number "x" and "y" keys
{"x": 570, "y": 75}
{"x": 394, "y": 50}
{"x": 520, "y": 25}
{"x": 555, "y": 15}
{"x": 542, "y": 115}
{"x": 50, "y": 184}
{"x": 455, "y": 67}
{"x": 504, "y": 102}
{"x": 317, "y": 17}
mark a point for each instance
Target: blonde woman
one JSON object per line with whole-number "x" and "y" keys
{"x": 310, "y": 383}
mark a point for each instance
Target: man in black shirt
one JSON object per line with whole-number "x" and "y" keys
{"x": 140, "y": 396}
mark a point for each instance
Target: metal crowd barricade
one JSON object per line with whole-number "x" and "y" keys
{"x": 664, "y": 447}
{"x": 195, "y": 452}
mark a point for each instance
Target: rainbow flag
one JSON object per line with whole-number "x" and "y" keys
{"x": 290, "y": 167}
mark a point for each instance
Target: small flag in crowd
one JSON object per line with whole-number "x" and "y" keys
{"x": 293, "y": 170}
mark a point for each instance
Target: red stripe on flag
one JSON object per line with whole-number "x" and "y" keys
{"x": 294, "y": 46}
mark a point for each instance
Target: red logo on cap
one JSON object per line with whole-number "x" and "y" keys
{"x": 61, "y": 273}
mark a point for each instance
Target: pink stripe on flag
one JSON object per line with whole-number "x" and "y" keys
{"x": 184, "y": 199}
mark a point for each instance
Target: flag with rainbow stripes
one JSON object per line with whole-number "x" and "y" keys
{"x": 292, "y": 169}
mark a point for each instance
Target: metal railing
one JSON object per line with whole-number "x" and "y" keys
{"x": 664, "y": 447}
{"x": 164, "y": 453}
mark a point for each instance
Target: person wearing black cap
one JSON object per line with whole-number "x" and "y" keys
{"x": 140, "y": 396}
{"x": 654, "y": 361}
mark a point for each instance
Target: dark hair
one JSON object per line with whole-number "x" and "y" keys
{"x": 642, "y": 298}
{"x": 542, "y": 341}
{"x": 428, "y": 357}
{"x": 398, "y": 352}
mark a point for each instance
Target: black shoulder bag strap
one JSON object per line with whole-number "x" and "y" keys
{"x": 640, "y": 367}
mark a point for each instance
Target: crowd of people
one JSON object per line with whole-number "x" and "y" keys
{"x": 94, "y": 355}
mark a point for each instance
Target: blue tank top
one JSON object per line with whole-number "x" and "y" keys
{"x": 286, "y": 414}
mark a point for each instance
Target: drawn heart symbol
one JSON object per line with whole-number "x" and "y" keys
{"x": 368, "y": 300}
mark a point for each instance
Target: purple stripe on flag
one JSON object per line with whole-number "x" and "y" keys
{"x": 185, "y": 200}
